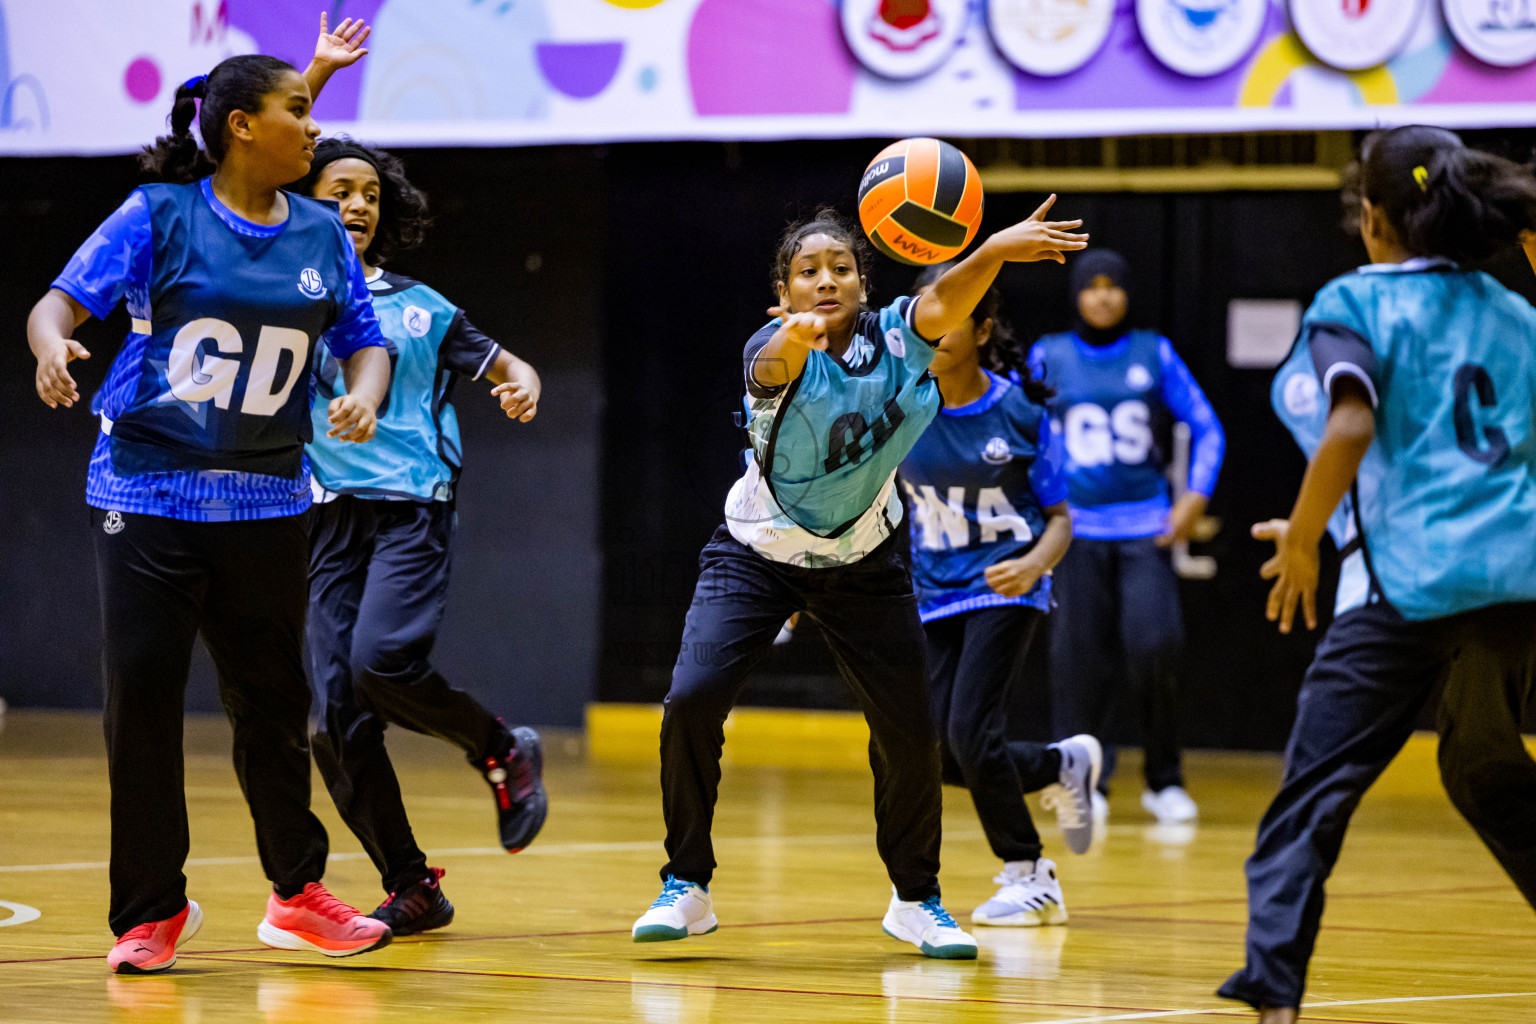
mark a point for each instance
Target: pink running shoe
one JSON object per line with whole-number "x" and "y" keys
{"x": 151, "y": 946}
{"x": 315, "y": 920}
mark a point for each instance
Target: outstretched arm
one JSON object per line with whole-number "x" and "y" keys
{"x": 49, "y": 327}
{"x": 334, "y": 51}
{"x": 1351, "y": 429}
{"x": 783, "y": 358}
{"x": 953, "y": 297}
{"x": 354, "y": 415}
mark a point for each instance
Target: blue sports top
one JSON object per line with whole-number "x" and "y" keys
{"x": 831, "y": 440}
{"x": 416, "y": 452}
{"x": 1445, "y": 498}
{"x": 1109, "y": 403}
{"x": 979, "y": 480}
{"x": 205, "y": 409}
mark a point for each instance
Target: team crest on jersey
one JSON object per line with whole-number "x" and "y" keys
{"x": 860, "y": 351}
{"x": 113, "y": 523}
{"x": 896, "y": 341}
{"x": 1301, "y": 393}
{"x": 417, "y": 321}
{"x": 1138, "y": 377}
{"x": 311, "y": 284}
{"x": 997, "y": 452}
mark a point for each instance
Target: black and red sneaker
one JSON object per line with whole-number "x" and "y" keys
{"x": 516, "y": 778}
{"x": 419, "y": 907}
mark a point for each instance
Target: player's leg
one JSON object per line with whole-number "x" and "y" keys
{"x": 739, "y": 603}
{"x": 253, "y": 622}
{"x": 397, "y": 623}
{"x": 868, "y": 614}
{"x": 349, "y": 741}
{"x": 151, "y": 591}
{"x": 1487, "y": 771}
{"x": 1084, "y": 652}
{"x": 995, "y": 646}
{"x": 945, "y": 640}
{"x": 1371, "y": 676}
{"x": 1152, "y": 639}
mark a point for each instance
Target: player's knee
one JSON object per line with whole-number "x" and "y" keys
{"x": 697, "y": 699}
{"x": 1483, "y": 791}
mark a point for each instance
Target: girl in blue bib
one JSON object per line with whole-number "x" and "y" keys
{"x": 382, "y": 545}
{"x": 989, "y": 522}
{"x": 199, "y": 486}
{"x": 1412, "y": 388}
{"x": 838, "y": 396}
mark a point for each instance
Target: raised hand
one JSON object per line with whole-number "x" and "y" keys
{"x": 343, "y": 47}
{"x": 1036, "y": 238}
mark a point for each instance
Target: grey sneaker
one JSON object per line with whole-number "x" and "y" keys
{"x": 1072, "y": 795}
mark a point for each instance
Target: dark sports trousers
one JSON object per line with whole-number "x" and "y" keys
{"x": 1371, "y": 676}
{"x": 1115, "y": 644}
{"x": 974, "y": 658}
{"x": 378, "y": 579}
{"x": 868, "y": 615}
{"x": 241, "y": 585}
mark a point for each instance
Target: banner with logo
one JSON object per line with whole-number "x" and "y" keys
{"x": 519, "y": 72}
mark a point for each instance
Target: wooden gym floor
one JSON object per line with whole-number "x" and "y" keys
{"x": 1422, "y": 926}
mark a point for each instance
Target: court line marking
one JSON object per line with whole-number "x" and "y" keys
{"x": 1229, "y": 1009}
{"x": 20, "y": 913}
{"x": 548, "y": 850}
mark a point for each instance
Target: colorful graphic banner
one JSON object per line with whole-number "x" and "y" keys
{"x": 521, "y": 72}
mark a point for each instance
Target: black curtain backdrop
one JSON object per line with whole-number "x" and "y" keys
{"x": 631, "y": 276}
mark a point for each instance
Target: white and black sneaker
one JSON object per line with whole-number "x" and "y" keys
{"x": 928, "y": 926}
{"x": 1072, "y": 795}
{"x": 682, "y": 909}
{"x": 1030, "y": 896}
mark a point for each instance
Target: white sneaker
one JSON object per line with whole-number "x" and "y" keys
{"x": 1072, "y": 795}
{"x": 1030, "y": 896}
{"x": 928, "y": 926}
{"x": 682, "y": 909}
{"x": 1170, "y": 805}
{"x": 1100, "y": 809}
{"x": 786, "y": 632}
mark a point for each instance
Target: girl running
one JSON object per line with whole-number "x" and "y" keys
{"x": 1118, "y": 615}
{"x": 990, "y": 521}
{"x": 198, "y": 487}
{"x": 382, "y": 543}
{"x": 1412, "y": 387}
{"x": 839, "y": 395}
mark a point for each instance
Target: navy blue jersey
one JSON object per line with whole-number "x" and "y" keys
{"x": 205, "y": 410}
{"x": 979, "y": 480}
{"x": 1110, "y": 402}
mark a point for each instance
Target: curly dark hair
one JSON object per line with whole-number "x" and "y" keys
{"x": 1005, "y": 354}
{"x": 403, "y": 214}
{"x": 825, "y": 221}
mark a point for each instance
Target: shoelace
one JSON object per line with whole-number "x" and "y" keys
{"x": 938, "y": 913}
{"x": 673, "y": 890}
{"x": 431, "y": 883}
{"x": 1070, "y": 813}
{"x": 319, "y": 900}
{"x": 496, "y": 772}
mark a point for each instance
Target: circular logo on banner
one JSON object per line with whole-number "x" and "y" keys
{"x": 1498, "y": 32}
{"x": 903, "y": 38}
{"x": 1050, "y": 37}
{"x": 1353, "y": 35}
{"x": 1200, "y": 38}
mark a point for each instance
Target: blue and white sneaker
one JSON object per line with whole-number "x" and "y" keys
{"x": 1030, "y": 896}
{"x": 1071, "y": 797}
{"x": 928, "y": 926}
{"x": 682, "y": 909}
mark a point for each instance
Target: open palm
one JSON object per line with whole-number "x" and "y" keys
{"x": 344, "y": 46}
